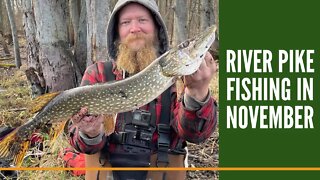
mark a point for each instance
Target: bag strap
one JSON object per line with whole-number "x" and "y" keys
{"x": 163, "y": 128}
{"x": 164, "y": 131}
{"x": 108, "y": 66}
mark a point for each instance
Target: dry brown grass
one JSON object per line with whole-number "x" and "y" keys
{"x": 214, "y": 87}
{"x": 14, "y": 101}
{"x": 50, "y": 158}
{"x": 14, "y": 98}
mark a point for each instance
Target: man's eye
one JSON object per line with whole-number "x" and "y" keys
{"x": 124, "y": 22}
{"x": 143, "y": 20}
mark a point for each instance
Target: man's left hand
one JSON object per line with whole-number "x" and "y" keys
{"x": 197, "y": 84}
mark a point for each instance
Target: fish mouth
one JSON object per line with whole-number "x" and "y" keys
{"x": 194, "y": 64}
{"x": 193, "y": 67}
{"x": 189, "y": 55}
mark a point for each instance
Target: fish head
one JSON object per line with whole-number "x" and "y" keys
{"x": 186, "y": 58}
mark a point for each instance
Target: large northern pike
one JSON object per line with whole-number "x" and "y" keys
{"x": 111, "y": 98}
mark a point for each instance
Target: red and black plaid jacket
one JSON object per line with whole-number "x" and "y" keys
{"x": 184, "y": 125}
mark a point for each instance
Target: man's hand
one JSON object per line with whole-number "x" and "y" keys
{"x": 197, "y": 84}
{"x": 92, "y": 126}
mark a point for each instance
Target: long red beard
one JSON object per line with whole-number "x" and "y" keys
{"x": 133, "y": 61}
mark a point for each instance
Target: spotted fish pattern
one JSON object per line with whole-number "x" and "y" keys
{"x": 118, "y": 96}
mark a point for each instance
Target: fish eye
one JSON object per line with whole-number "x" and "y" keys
{"x": 184, "y": 44}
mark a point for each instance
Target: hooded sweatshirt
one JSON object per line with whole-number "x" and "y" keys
{"x": 112, "y": 35}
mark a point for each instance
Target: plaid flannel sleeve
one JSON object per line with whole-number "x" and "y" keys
{"x": 91, "y": 76}
{"x": 79, "y": 143}
{"x": 195, "y": 125}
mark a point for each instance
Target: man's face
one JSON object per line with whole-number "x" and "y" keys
{"x": 138, "y": 45}
{"x": 135, "y": 22}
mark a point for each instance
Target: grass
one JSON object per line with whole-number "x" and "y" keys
{"x": 14, "y": 98}
{"x": 49, "y": 159}
{"x": 214, "y": 87}
{"x": 14, "y": 101}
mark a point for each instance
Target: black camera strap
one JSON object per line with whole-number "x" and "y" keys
{"x": 152, "y": 110}
{"x": 108, "y": 71}
{"x": 164, "y": 130}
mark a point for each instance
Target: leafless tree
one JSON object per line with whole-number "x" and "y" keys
{"x": 4, "y": 45}
{"x": 75, "y": 16}
{"x": 30, "y": 33}
{"x": 14, "y": 34}
{"x": 80, "y": 27}
{"x": 37, "y": 80}
{"x": 4, "y": 23}
{"x": 98, "y": 14}
{"x": 54, "y": 53}
{"x": 180, "y": 20}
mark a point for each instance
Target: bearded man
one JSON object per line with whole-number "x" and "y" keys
{"x": 137, "y": 35}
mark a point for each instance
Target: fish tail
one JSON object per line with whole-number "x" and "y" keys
{"x": 14, "y": 148}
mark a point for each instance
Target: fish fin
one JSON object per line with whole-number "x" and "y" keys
{"x": 14, "y": 148}
{"x": 56, "y": 131}
{"x": 18, "y": 159}
{"x": 42, "y": 101}
{"x": 180, "y": 86}
{"x": 109, "y": 123}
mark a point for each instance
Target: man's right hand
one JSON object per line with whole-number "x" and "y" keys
{"x": 90, "y": 125}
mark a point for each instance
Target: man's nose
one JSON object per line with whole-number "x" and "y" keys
{"x": 135, "y": 27}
